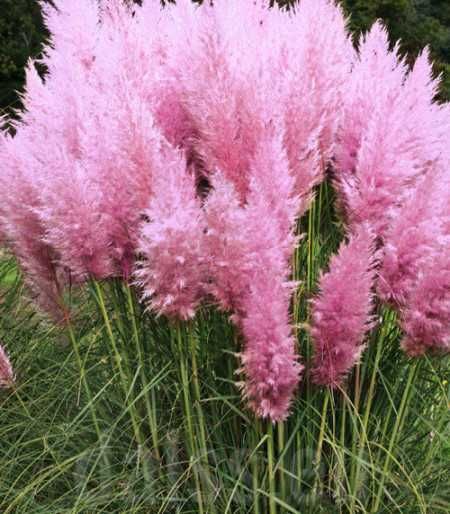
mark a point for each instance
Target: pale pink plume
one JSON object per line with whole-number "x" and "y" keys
{"x": 341, "y": 313}
{"x": 415, "y": 276}
{"x": 391, "y": 132}
{"x": 249, "y": 249}
{"x": 21, "y": 227}
{"x": 170, "y": 243}
{"x": 419, "y": 235}
{"x": 314, "y": 66}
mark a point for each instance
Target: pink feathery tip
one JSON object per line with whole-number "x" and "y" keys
{"x": 6, "y": 371}
{"x": 341, "y": 314}
{"x": 426, "y": 316}
{"x": 269, "y": 361}
{"x": 390, "y": 134}
{"x": 171, "y": 242}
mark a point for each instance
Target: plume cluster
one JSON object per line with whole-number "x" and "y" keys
{"x": 176, "y": 148}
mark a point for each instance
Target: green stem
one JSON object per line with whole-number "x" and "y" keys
{"x": 188, "y": 415}
{"x": 354, "y": 477}
{"x": 398, "y": 425}
{"x": 318, "y": 456}
{"x": 123, "y": 378}
{"x": 149, "y": 403}
{"x": 86, "y": 388}
{"x": 200, "y": 416}
{"x": 280, "y": 433}
{"x": 255, "y": 467}
{"x": 270, "y": 469}
{"x": 341, "y": 472}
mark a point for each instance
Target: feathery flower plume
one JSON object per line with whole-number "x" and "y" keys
{"x": 341, "y": 313}
{"x": 426, "y": 316}
{"x": 171, "y": 241}
{"x": 269, "y": 360}
{"x": 419, "y": 235}
{"x": 6, "y": 370}
{"x": 314, "y": 66}
{"x": 415, "y": 275}
{"x": 249, "y": 249}
{"x": 390, "y": 132}
{"x": 219, "y": 46}
{"x": 226, "y": 244}
{"x": 22, "y": 229}
{"x": 299, "y": 69}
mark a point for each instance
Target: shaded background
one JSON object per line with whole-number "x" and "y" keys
{"x": 416, "y": 22}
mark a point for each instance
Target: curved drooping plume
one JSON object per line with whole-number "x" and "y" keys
{"x": 95, "y": 111}
{"x": 22, "y": 229}
{"x": 341, "y": 313}
{"x": 6, "y": 370}
{"x": 269, "y": 361}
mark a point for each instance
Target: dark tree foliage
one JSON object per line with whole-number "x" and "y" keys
{"x": 416, "y": 22}
{"x": 21, "y": 36}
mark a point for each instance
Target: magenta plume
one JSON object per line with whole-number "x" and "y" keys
{"x": 341, "y": 313}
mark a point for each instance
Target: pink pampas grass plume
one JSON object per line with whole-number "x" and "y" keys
{"x": 170, "y": 243}
{"x": 226, "y": 244}
{"x": 22, "y": 229}
{"x": 250, "y": 247}
{"x": 341, "y": 313}
{"x": 270, "y": 364}
{"x": 6, "y": 371}
{"x": 419, "y": 236}
{"x": 269, "y": 361}
{"x": 315, "y": 64}
{"x": 426, "y": 316}
{"x": 415, "y": 275}
{"x": 391, "y": 132}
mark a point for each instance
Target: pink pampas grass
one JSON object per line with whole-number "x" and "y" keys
{"x": 391, "y": 132}
{"x": 250, "y": 247}
{"x": 341, "y": 314}
{"x": 170, "y": 241}
{"x": 426, "y": 317}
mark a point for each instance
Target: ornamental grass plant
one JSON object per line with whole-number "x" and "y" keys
{"x": 226, "y": 278}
